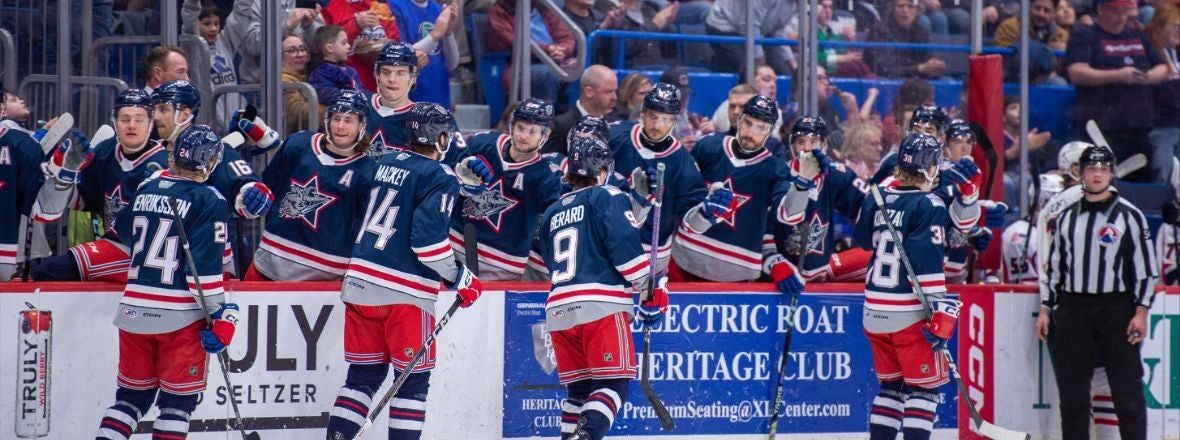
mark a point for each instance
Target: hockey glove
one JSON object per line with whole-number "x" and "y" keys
{"x": 468, "y": 286}
{"x": 475, "y": 174}
{"x": 980, "y": 238}
{"x": 993, "y": 213}
{"x": 719, "y": 204}
{"x": 963, "y": 174}
{"x": 651, "y": 310}
{"x": 644, "y": 185}
{"x": 70, "y": 158}
{"x": 808, "y": 166}
{"x": 254, "y": 200}
{"x": 941, "y": 325}
{"x": 786, "y": 277}
{"x": 258, "y": 133}
{"x": 221, "y": 331}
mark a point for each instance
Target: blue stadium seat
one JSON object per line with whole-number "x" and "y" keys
{"x": 489, "y": 66}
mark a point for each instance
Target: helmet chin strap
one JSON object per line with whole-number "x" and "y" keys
{"x": 179, "y": 126}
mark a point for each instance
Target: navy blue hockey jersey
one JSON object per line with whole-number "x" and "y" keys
{"x": 20, "y": 179}
{"x": 161, "y": 293}
{"x": 920, "y": 219}
{"x": 731, "y": 250}
{"x": 505, "y": 215}
{"x": 110, "y": 182}
{"x": 592, "y": 251}
{"x": 838, "y": 190}
{"x": 319, "y": 202}
{"x": 402, "y": 245}
{"x": 684, "y": 186}
{"x": 386, "y": 126}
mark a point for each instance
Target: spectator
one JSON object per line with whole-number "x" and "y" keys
{"x": 329, "y": 75}
{"x": 16, "y": 112}
{"x": 837, "y": 61}
{"x": 1164, "y": 33}
{"x": 1113, "y": 65}
{"x": 296, "y": 106}
{"x": 163, "y": 64}
{"x": 205, "y": 22}
{"x": 913, "y": 93}
{"x": 630, "y": 100}
{"x": 1038, "y": 142}
{"x": 1065, "y": 15}
{"x": 359, "y": 16}
{"x": 588, "y": 14}
{"x": 547, "y": 30}
{"x": 597, "y": 96}
{"x": 899, "y": 27}
{"x": 765, "y": 84}
{"x": 1043, "y": 32}
{"x": 637, "y": 16}
{"x": 944, "y": 17}
{"x": 245, "y": 25}
{"x": 862, "y": 150}
{"x": 430, "y": 26}
{"x": 690, "y": 126}
{"x": 823, "y": 92}
{"x": 738, "y": 96}
{"x": 728, "y": 18}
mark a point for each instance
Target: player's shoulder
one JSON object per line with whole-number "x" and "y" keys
{"x": 710, "y": 144}
{"x": 621, "y": 128}
{"x": 932, "y": 201}
{"x": 301, "y": 139}
{"x": 484, "y": 138}
{"x": 19, "y": 140}
{"x": 1018, "y": 228}
{"x": 106, "y": 148}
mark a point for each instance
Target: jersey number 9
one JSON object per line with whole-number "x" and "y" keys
{"x": 565, "y": 245}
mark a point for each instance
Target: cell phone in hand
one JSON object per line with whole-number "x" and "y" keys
{"x": 306, "y": 4}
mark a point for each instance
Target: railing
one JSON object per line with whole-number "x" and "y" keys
{"x": 9, "y": 47}
{"x": 521, "y": 75}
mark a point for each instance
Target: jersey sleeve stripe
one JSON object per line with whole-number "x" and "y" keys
{"x": 131, "y": 293}
{"x": 706, "y": 245}
{"x": 633, "y": 269}
{"x": 434, "y": 252}
{"x": 302, "y": 255}
{"x": 413, "y": 285}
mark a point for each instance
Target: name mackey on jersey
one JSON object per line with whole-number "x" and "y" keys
{"x": 591, "y": 248}
{"x": 402, "y": 252}
{"x": 161, "y": 295}
{"x": 20, "y": 179}
{"x": 320, "y": 204}
{"x": 505, "y": 215}
{"x": 920, "y": 219}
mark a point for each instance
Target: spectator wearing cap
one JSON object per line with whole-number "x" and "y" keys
{"x": 900, "y": 27}
{"x": 545, "y": 29}
{"x": 597, "y": 94}
{"x": 1114, "y": 66}
{"x": 771, "y": 17}
{"x": 1164, "y": 33}
{"x": 690, "y": 126}
{"x": 430, "y": 26}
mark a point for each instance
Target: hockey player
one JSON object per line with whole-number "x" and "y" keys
{"x": 397, "y": 73}
{"x": 319, "y": 180}
{"x": 400, "y": 257}
{"x": 104, "y": 188}
{"x": 506, "y": 187}
{"x": 742, "y": 164}
{"x": 1022, "y": 241}
{"x": 816, "y": 191}
{"x": 592, "y": 251}
{"x": 20, "y": 179}
{"x": 958, "y": 186}
{"x": 896, "y": 324}
{"x": 639, "y": 146}
{"x": 161, "y": 324}
{"x": 928, "y": 119}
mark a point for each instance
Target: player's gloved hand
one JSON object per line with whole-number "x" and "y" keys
{"x": 221, "y": 332}
{"x": 993, "y": 213}
{"x": 257, "y": 133}
{"x": 980, "y": 238}
{"x": 468, "y": 286}
{"x": 70, "y": 158}
{"x": 254, "y": 200}
{"x": 651, "y": 310}
{"x": 785, "y": 276}
{"x": 719, "y": 204}
{"x": 941, "y": 325}
{"x": 644, "y": 185}
{"x": 962, "y": 174}
{"x": 475, "y": 174}
{"x": 808, "y": 166}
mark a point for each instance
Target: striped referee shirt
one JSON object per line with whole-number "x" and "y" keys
{"x": 1102, "y": 248}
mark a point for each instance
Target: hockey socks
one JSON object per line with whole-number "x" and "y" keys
{"x": 571, "y": 408}
{"x": 172, "y": 423}
{"x": 407, "y": 411}
{"x": 120, "y": 420}
{"x": 352, "y": 404}
{"x": 887, "y": 413}
{"x": 920, "y": 404}
{"x": 598, "y": 413}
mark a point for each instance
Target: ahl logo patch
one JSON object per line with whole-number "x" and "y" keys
{"x": 130, "y": 313}
{"x": 192, "y": 370}
{"x": 409, "y": 352}
{"x": 1108, "y": 235}
{"x": 608, "y": 357}
{"x": 925, "y": 368}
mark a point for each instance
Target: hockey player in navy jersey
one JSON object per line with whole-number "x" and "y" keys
{"x": 507, "y": 186}
{"x": 732, "y": 251}
{"x": 161, "y": 325}
{"x": 591, "y": 248}
{"x": 639, "y": 146}
{"x": 928, "y": 119}
{"x": 397, "y": 74}
{"x": 320, "y": 181}
{"x": 103, "y": 188}
{"x": 400, "y": 258}
{"x": 818, "y": 189}
{"x": 20, "y": 179}
{"x": 958, "y": 186}
{"x": 896, "y": 324}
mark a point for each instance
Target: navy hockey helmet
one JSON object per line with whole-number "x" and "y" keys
{"x": 1096, "y": 155}
{"x": 427, "y": 122}
{"x": 396, "y": 53}
{"x": 917, "y": 153}
{"x": 588, "y": 157}
{"x": 349, "y": 101}
{"x": 534, "y": 111}
{"x": 134, "y": 98}
{"x": 959, "y": 128}
{"x": 179, "y": 93}
{"x": 592, "y": 126}
{"x": 197, "y": 149}
{"x": 664, "y": 98}
{"x": 761, "y": 108}
{"x": 932, "y": 115}
{"x": 809, "y": 126}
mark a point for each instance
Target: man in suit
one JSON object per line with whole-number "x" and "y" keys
{"x": 596, "y": 97}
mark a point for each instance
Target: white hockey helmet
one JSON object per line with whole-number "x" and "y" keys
{"x": 1050, "y": 184}
{"x": 1069, "y": 155}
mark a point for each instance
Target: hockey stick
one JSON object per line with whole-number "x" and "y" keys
{"x": 782, "y": 365}
{"x": 1128, "y": 166}
{"x": 54, "y": 134}
{"x": 401, "y": 378}
{"x": 645, "y": 379}
{"x": 28, "y": 250}
{"x": 222, "y": 356}
{"x": 983, "y": 426}
{"x": 470, "y": 247}
{"x": 989, "y": 150}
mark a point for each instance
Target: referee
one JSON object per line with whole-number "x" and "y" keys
{"x": 1102, "y": 272}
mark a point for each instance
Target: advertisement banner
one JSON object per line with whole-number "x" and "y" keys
{"x": 715, "y": 364}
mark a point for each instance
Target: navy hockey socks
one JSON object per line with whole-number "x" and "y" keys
{"x": 172, "y": 423}
{"x": 407, "y": 411}
{"x": 356, "y": 396}
{"x": 920, "y": 404}
{"x": 888, "y": 410}
{"x": 598, "y": 413}
{"x": 120, "y": 420}
{"x": 571, "y": 408}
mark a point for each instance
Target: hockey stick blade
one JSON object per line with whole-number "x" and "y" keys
{"x": 234, "y": 139}
{"x": 64, "y": 123}
{"x": 1131, "y": 165}
{"x": 997, "y": 433}
{"x": 103, "y": 133}
{"x": 1096, "y": 134}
